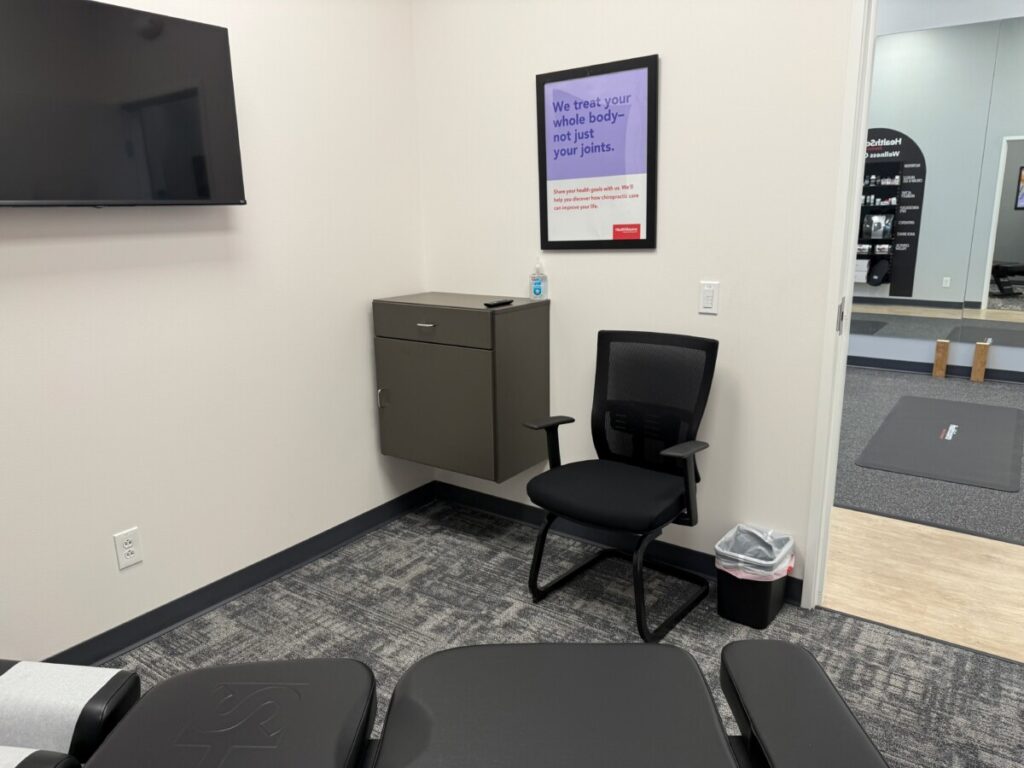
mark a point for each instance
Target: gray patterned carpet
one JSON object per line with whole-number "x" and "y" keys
{"x": 448, "y": 576}
{"x": 870, "y": 396}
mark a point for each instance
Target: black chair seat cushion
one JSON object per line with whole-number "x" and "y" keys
{"x": 610, "y": 494}
{"x": 789, "y": 711}
{"x": 554, "y": 706}
{"x": 313, "y": 714}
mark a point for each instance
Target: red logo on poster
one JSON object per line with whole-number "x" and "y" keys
{"x": 625, "y": 231}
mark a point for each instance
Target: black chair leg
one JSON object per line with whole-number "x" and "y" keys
{"x": 536, "y": 590}
{"x": 1005, "y": 288}
{"x": 655, "y": 635}
{"x": 649, "y": 635}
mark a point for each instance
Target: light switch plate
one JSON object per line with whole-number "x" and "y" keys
{"x": 708, "y": 297}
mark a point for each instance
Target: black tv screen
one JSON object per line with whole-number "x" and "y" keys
{"x": 102, "y": 105}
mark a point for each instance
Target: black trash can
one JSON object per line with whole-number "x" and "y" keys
{"x": 752, "y": 565}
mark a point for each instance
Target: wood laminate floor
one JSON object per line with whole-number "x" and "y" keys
{"x": 904, "y": 310}
{"x": 947, "y": 585}
{"x": 1000, "y": 315}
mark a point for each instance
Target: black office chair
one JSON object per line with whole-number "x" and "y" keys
{"x": 649, "y": 396}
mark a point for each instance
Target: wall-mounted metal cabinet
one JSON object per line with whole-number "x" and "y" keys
{"x": 456, "y": 380}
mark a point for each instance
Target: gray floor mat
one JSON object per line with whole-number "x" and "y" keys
{"x": 870, "y": 395}
{"x": 952, "y": 441}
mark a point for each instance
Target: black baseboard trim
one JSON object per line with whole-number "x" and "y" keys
{"x": 123, "y": 638}
{"x": 883, "y": 364}
{"x": 660, "y": 552}
{"x": 114, "y": 642}
{"x": 955, "y": 371}
{"x": 907, "y": 302}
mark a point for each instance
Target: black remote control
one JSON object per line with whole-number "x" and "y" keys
{"x": 497, "y": 303}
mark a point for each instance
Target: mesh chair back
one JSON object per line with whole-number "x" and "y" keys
{"x": 649, "y": 394}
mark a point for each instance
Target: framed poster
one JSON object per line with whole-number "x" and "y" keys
{"x": 1020, "y": 190}
{"x": 597, "y": 145}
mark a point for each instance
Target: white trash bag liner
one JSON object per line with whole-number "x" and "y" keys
{"x": 756, "y": 554}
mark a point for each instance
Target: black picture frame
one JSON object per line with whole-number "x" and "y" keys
{"x": 1018, "y": 203}
{"x": 650, "y": 63}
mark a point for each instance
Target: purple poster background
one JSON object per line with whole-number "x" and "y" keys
{"x": 596, "y": 126}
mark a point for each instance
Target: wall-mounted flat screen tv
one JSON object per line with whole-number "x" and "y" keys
{"x": 102, "y": 105}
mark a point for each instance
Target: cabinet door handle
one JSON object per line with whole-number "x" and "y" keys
{"x": 380, "y": 403}
{"x": 426, "y": 325}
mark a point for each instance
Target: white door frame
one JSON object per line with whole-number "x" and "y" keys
{"x": 842, "y": 257}
{"x": 1000, "y": 179}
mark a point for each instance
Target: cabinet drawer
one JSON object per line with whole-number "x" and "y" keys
{"x": 436, "y": 325}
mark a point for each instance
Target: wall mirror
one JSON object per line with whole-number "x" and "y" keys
{"x": 941, "y": 248}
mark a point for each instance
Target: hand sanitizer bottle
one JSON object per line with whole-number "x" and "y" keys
{"x": 538, "y": 283}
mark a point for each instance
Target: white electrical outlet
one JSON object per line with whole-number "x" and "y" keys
{"x": 129, "y": 547}
{"x": 946, "y": 282}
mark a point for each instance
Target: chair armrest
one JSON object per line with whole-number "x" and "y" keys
{"x": 549, "y": 422}
{"x": 551, "y": 425}
{"x": 685, "y": 450}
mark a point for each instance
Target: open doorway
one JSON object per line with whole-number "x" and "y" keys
{"x": 927, "y": 529}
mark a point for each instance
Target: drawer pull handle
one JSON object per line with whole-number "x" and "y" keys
{"x": 426, "y": 325}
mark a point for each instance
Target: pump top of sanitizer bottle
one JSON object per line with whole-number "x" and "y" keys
{"x": 538, "y": 283}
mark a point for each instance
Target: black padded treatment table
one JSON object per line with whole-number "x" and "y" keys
{"x": 788, "y": 710}
{"x": 49, "y": 712}
{"x": 552, "y": 706}
{"x": 20, "y": 757}
{"x": 500, "y": 706}
{"x": 301, "y": 714}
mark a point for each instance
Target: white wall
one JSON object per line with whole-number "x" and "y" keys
{"x": 207, "y": 373}
{"x": 754, "y": 104}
